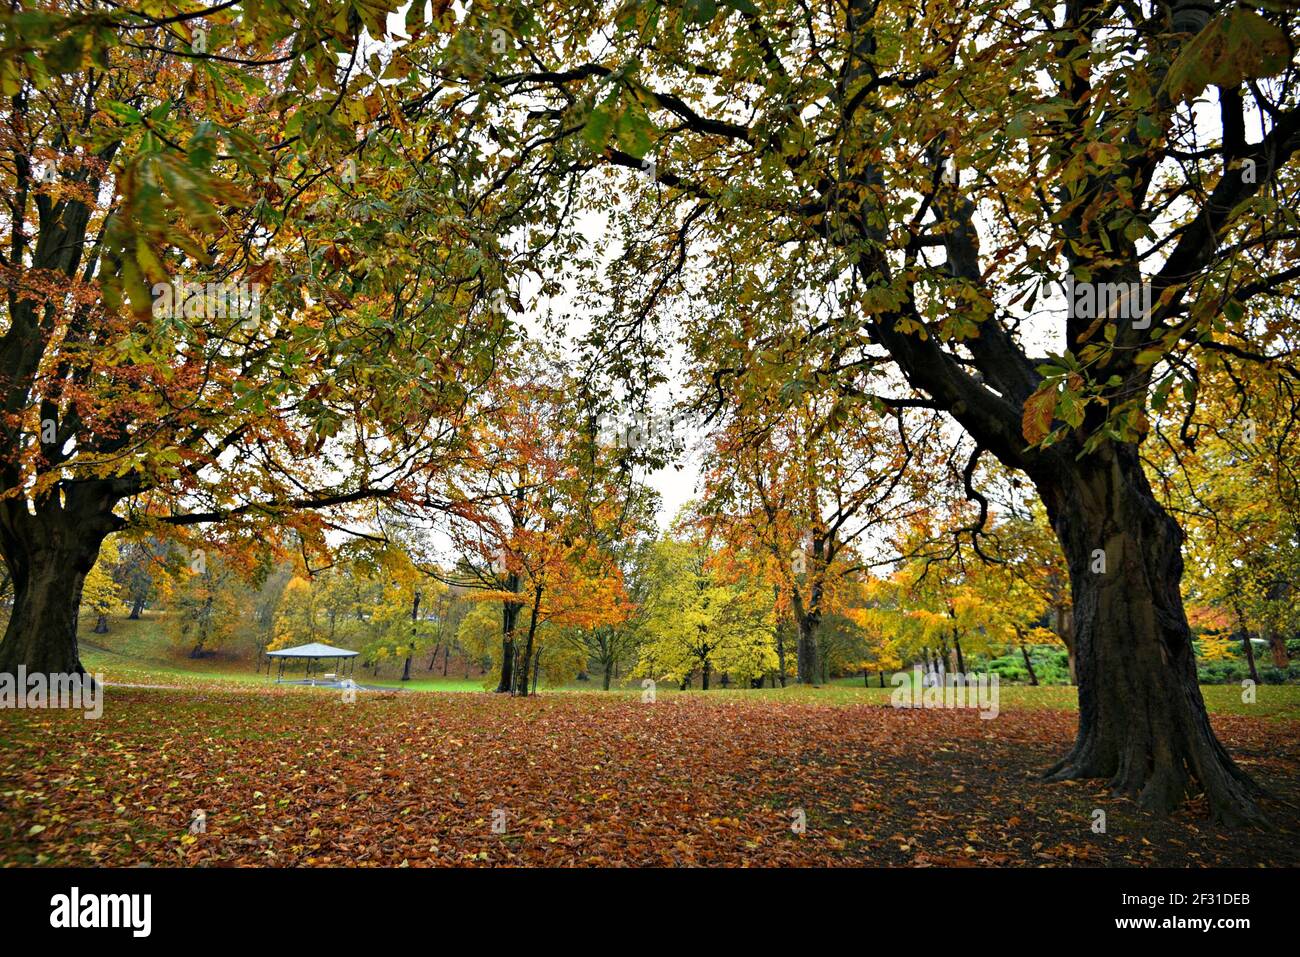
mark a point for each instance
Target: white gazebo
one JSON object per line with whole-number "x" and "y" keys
{"x": 313, "y": 652}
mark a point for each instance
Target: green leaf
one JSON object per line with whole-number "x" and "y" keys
{"x": 633, "y": 129}
{"x": 596, "y": 132}
{"x": 701, "y": 11}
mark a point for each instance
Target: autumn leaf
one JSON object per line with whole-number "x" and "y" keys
{"x": 1036, "y": 421}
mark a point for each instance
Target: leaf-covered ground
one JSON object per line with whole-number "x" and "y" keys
{"x": 297, "y": 777}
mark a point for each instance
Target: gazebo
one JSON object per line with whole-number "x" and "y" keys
{"x": 310, "y": 653}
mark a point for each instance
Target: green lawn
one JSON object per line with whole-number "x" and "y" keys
{"x": 140, "y": 652}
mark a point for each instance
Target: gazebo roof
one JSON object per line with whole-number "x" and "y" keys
{"x": 313, "y": 650}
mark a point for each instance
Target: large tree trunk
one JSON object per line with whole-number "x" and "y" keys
{"x": 137, "y": 606}
{"x": 49, "y": 545}
{"x": 42, "y": 629}
{"x": 1142, "y": 722}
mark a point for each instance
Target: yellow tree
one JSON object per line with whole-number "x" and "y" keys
{"x": 100, "y": 593}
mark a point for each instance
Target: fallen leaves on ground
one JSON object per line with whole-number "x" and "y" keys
{"x": 299, "y": 778}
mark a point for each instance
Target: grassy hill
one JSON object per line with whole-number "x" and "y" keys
{"x": 143, "y": 652}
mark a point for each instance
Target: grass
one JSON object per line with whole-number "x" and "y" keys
{"x": 141, "y": 652}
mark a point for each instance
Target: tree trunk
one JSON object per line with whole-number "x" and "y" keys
{"x": 1250, "y": 655}
{"x": 704, "y": 676}
{"x": 1277, "y": 646}
{"x": 961, "y": 661}
{"x": 607, "y": 676}
{"x": 1142, "y": 721}
{"x": 101, "y": 624}
{"x": 509, "y": 615}
{"x": 1029, "y": 665}
{"x": 525, "y": 658}
{"x": 137, "y": 606}
{"x": 808, "y": 673}
{"x": 48, "y": 567}
{"x": 780, "y": 653}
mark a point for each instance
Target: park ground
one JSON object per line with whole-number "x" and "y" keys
{"x": 443, "y": 773}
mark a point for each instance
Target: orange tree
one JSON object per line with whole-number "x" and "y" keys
{"x": 535, "y": 505}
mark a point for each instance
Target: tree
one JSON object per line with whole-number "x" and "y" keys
{"x": 100, "y": 593}
{"x": 700, "y": 623}
{"x": 205, "y": 605}
{"x": 804, "y": 486}
{"x": 942, "y": 172}
{"x": 479, "y": 633}
{"x": 208, "y": 318}
{"x": 535, "y": 505}
{"x": 139, "y": 562}
{"x": 295, "y": 619}
{"x": 1229, "y": 474}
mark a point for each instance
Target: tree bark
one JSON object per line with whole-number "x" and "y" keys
{"x": 526, "y": 658}
{"x": 1029, "y": 665}
{"x": 1142, "y": 721}
{"x": 42, "y": 629}
{"x": 808, "y": 673}
{"x": 1250, "y": 656}
{"x": 1065, "y": 630}
{"x": 509, "y": 615}
{"x": 48, "y": 557}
